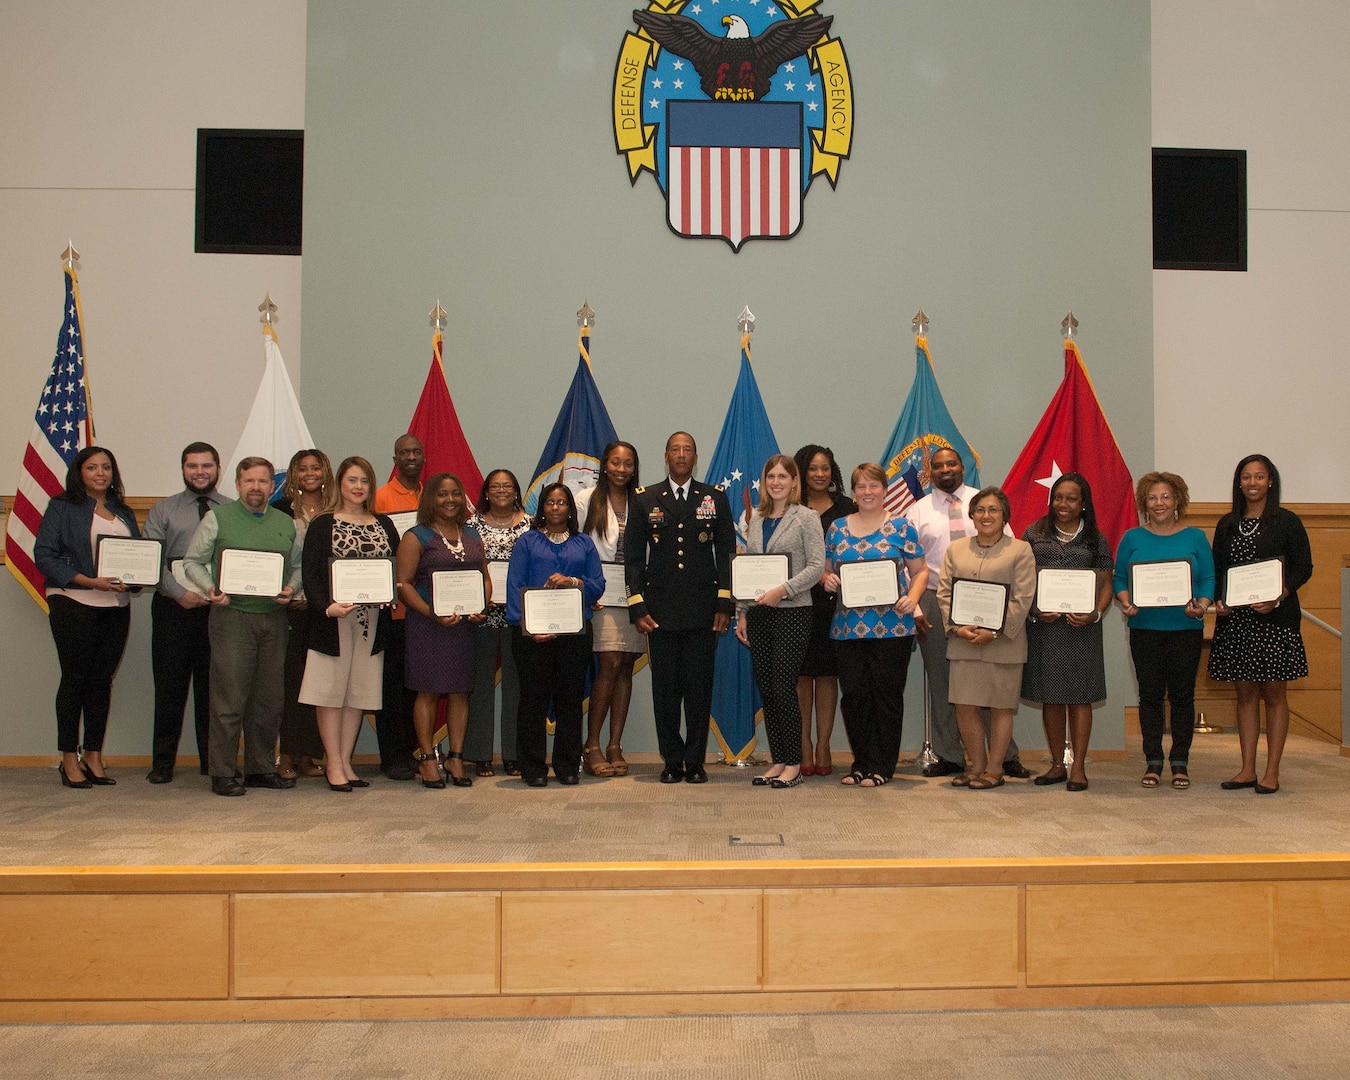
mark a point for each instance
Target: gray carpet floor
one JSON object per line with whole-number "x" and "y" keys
{"x": 1267, "y": 1042}
{"x": 635, "y": 818}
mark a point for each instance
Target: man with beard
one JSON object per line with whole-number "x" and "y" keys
{"x": 248, "y": 633}
{"x": 180, "y": 650}
{"x": 393, "y": 723}
{"x": 941, "y": 516}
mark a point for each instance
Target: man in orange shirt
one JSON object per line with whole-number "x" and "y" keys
{"x": 393, "y": 723}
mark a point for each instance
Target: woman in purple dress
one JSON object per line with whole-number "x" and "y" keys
{"x": 440, "y": 649}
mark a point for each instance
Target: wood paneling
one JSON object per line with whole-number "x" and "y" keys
{"x": 370, "y": 945}
{"x": 1129, "y": 933}
{"x": 1312, "y": 930}
{"x": 637, "y": 941}
{"x": 887, "y": 938}
{"x": 114, "y": 947}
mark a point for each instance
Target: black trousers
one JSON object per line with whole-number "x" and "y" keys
{"x": 180, "y": 658}
{"x": 682, "y": 674}
{"x": 1165, "y": 662}
{"x": 393, "y": 723}
{"x": 872, "y": 674}
{"x": 778, "y": 639}
{"x": 553, "y": 670}
{"x": 89, "y": 644}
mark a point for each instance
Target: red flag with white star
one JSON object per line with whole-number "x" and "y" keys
{"x": 1073, "y": 436}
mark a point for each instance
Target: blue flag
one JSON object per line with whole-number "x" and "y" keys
{"x": 580, "y": 434}
{"x": 924, "y": 426}
{"x": 746, "y": 442}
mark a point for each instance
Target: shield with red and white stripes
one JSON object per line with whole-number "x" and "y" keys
{"x": 734, "y": 169}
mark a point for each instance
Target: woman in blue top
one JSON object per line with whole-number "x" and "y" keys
{"x": 1165, "y": 641}
{"x": 554, "y": 554}
{"x": 872, "y": 644}
{"x": 89, "y": 615}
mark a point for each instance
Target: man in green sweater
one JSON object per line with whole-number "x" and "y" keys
{"x": 247, "y": 626}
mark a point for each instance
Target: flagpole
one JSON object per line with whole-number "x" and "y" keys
{"x": 1068, "y": 328}
{"x": 926, "y": 756}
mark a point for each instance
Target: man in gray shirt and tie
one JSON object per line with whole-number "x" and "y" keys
{"x": 180, "y": 651}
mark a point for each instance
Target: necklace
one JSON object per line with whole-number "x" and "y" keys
{"x": 497, "y": 523}
{"x": 457, "y": 548}
{"x": 1065, "y": 538}
{"x": 1248, "y": 526}
{"x": 557, "y": 538}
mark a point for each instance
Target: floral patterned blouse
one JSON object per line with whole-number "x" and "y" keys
{"x": 895, "y": 539}
{"x": 497, "y": 547}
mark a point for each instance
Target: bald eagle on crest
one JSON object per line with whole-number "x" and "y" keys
{"x": 737, "y": 67}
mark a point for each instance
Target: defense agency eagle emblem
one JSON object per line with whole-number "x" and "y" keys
{"x": 734, "y": 106}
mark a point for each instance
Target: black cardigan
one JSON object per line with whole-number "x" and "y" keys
{"x": 323, "y": 635}
{"x": 1281, "y": 535}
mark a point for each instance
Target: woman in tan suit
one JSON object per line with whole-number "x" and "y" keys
{"x": 986, "y": 665}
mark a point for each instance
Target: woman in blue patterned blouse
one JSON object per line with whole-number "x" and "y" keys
{"x": 873, "y": 643}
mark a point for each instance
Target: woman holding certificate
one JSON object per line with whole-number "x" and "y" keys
{"x": 304, "y": 495}
{"x": 876, "y": 565}
{"x": 1261, "y": 559}
{"x": 818, "y": 682}
{"x": 987, "y": 585}
{"x": 553, "y": 582}
{"x": 1164, "y": 581}
{"x": 1066, "y": 668}
{"x": 500, "y": 520}
{"x": 777, "y": 624}
{"x": 89, "y": 614}
{"x": 618, "y": 644}
{"x": 344, "y": 668}
{"x": 439, "y": 656}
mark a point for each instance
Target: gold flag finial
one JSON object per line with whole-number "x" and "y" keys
{"x": 70, "y": 256}
{"x": 437, "y": 316}
{"x": 585, "y": 316}
{"x": 920, "y": 324}
{"x": 746, "y": 320}
{"x": 1069, "y": 326}
{"x": 268, "y": 309}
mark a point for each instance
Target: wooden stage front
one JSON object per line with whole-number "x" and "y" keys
{"x": 1023, "y": 897}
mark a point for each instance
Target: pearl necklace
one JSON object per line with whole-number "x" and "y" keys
{"x": 1070, "y": 537}
{"x": 1249, "y": 526}
{"x": 457, "y": 548}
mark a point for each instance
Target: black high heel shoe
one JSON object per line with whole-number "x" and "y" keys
{"x": 66, "y": 781}
{"x": 94, "y": 778}
{"x": 439, "y": 782}
{"x": 458, "y": 781}
{"x": 344, "y": 786}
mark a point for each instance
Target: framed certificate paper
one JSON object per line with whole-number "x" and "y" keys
{"x": 979, "y": 603}
{"x": 1254, "y": 583}
{"x": 132, "y": 562}
{"x": 180, "y": 576}
{"x": 497, "y": 575}
{"x": 361, "y": 581}
{"x": 1160, "y": 583}
{"x": 754, "y": 575}
{"x": 869, "y": 583}
{"x": 251, "y": 573}
{"x": 552, "y": 611}
{"x": 616, "y": 590}
{"x": 1070, "y": 592}
{"x": 457, "y": 592}
{"x": 403, "y": 521}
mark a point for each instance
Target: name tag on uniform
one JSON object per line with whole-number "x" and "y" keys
{"x": 656, "y": 517}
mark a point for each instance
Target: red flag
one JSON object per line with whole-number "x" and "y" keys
{"x": 436, "y": 423}
{"x": 1073, "y": 436}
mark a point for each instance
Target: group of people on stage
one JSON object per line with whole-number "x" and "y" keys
{"x": 295, "y": 672}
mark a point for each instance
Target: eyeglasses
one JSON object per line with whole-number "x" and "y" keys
{"x": 556, "y": 502}
{"x": 501, "y": 487}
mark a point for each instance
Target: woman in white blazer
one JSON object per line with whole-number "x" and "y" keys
{"x": 777, "y": 625}
{"x": 603, "y": 511}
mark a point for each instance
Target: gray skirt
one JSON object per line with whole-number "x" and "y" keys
{"x": 978, "y": 682}
{"x": 614, "y": 632}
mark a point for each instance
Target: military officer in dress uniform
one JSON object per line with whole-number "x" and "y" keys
{"x": 678, "y": 545}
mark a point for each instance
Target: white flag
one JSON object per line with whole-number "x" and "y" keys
{"x": 275, "y": 428}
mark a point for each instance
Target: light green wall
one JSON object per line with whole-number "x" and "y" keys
{"x": 999, "y": 176}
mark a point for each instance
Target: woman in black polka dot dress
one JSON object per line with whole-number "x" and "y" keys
{"x": 1260, "y": 646}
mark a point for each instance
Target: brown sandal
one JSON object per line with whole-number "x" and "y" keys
{"x": 594, "y": 763}
{"x": 285, "y": 769}
{"x": 985, "y": 782}
{"x": 616, "y": 761}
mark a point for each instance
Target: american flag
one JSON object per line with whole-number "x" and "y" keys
{"x": 903, "y": 491}
{"x": 62, "y": 427}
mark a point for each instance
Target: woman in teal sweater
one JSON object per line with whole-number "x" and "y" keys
{"x": 1165, "y": 641}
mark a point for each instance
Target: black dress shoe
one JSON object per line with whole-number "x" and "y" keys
{"x": 536, "y": 781}
{"x": 94, "y": 778}
{"x": 359, "y": 783}
{"x": 160, "y": 776}
{"x": 1237, "y": 785}
{"x": 943, "y": 768}
{"x": 695, "y": 774}
{"x": 1014, "y": 768}
{"x": 672, "y": 774}
{"x": 204, "y": 770}
{"x": 267, "y": 780}
{"x": 401, "y": 772}
{"x": 570, "y": 779}
{"x": 226, "y": 785}
{"x": 345, "y": 786}
{"x": 1261, "y": 789}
